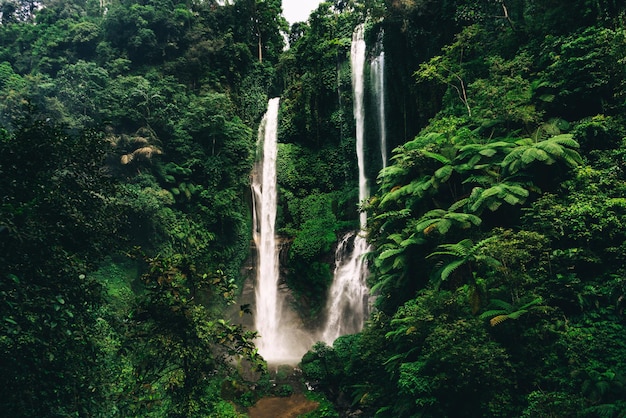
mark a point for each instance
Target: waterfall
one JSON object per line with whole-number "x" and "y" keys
{"x": 377, "y": 80}
{"x": 268, "y": 305}
{"x": 357, "y": 60}
{"x": 347, "y": 304}
{"x": 281, "y": 338}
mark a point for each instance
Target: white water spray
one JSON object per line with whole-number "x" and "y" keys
{"x": 281, "y": 341}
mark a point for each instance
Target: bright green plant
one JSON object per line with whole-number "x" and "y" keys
{"x": 492, "y": 197}
{"x": 465, "y": 253}
{"x": 442, "y": 221}
{"x": 561, "y": 148}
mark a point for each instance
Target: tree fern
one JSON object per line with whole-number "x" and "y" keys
{"x": 392, "y": 255}
{"x": 416, "y": 188}
{"x": 558, "y": 148}
{"x": 464, "y": 252}
{"x": 492, "y": 198}
{"x": 489, "y": 150}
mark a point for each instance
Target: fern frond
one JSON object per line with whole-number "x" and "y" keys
{"x": 533, "y": 302}
{"x": 517, "y": 314}
{"x": 496, "y": 320}
{"x": 390, "y": 253}
{"x": 396, "y": 238}
{"x": 414, "y": 188}
{"x": 383, "y": 281}
{"x": 396, "y": 358}
{"x": 443, "y": 226}
{"x": 438, "y": 157}
{"x": 393, "y": 214}
{"x": 492, "y": 313}
{"x": 460, "y": 249}
{"x": 398, "y": 262}
{"x": 457, "y": 205}
{"x": 566, "y": 140}
{"x": 480, "y": 179}
{"x": 451, "y": 268}
{"x": 443, "y": 174}
{"x": 572, "y": 158}
{"x": 412, "y": 240}
{"x": 392, "y": 171}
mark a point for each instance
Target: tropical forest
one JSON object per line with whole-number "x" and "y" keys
{"x": 394, "y": 209}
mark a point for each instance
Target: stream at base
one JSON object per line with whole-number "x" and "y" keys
{"x": 282, "y": 407}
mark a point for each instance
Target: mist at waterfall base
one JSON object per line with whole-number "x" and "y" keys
{"x": 282, "y": 338}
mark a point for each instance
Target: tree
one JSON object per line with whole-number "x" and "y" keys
{"x": 449, "y": 67}
{"x": 57, "y": 219}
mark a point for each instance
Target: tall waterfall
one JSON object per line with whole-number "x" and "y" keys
{"x": 377, "y": 80}
{"x": 281, "y": 340}
{"x": 347, "y": 305}
{"x": 357, "y": 60}
{"x": 268, "y": 305}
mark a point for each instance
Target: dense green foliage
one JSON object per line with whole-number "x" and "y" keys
{"x": 497, "y": 228}
{"x": 127, "y": 144}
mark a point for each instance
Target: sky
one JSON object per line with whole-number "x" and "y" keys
{"x": 298, "y": 10}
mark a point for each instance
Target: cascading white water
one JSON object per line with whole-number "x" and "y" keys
{"x": 281, "y": 339}
{"x": 377, "y": 80}
{"x": 347, "y": 305}
{"x": 268, "y": 305}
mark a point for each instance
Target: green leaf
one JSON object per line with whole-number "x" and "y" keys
{"x": 444, "y": 226}
{"x": 10, "y": 320}
{"x": 444, "y": 173}
{"x": 390, "y": 252}
{"x": 488, "y": 152}
{"x": 451, "y": 268}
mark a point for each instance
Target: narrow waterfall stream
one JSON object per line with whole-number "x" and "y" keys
{"x": 347, "y": 305}
{"x": 377, "y": 81}
{"x": 281, "y": 340}
{"x": 357, "y": 60}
